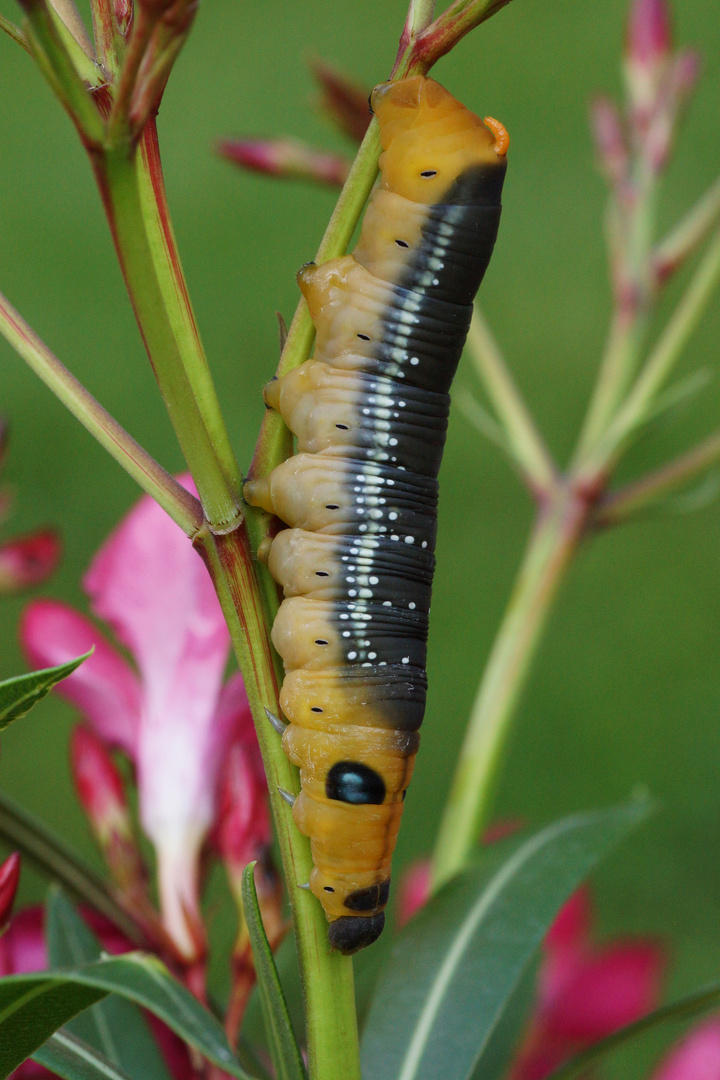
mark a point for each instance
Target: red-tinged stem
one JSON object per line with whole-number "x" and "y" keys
{"x": 625, "y": 504}
{"x": 182, "y": 507}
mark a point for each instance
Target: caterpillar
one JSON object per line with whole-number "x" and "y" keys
{"x": 370, "y": 414}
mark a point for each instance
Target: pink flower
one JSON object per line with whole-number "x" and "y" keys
{"x": 696, "y": 1058}
{"x": 173, "y": 717}
{"x": 585, "y": 992}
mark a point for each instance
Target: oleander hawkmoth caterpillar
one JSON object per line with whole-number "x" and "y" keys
{"x": 370, "y": 415}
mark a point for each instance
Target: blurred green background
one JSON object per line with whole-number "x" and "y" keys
{"x": 626, "y": 691}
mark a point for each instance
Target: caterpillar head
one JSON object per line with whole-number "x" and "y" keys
{"x": 434, "y": 149}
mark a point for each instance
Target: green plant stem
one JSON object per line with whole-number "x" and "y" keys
{"x": 327, "y": 976}
{"x": 663, "y": 357}
{"x": 626, "y": 503}
{"x": 182, "y": 507}
{"x": 123, "y": 184}
{"x": 523, "y": 439}
{"x": 555, "y": 538}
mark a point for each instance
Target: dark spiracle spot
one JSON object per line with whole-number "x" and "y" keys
{"x": 402, "y": 243}
{"x": 369, "y": 899}
{"x": 428, "y": 173}
{"x": 321, "y": 573}
{"x": 342, "y": 427}
{"x": 320, "y": 641}
{"x": 315, "y": 708}
{"x": 350, "y": 933}
{"x": 353, "y": 782}
{"x": 332, "y": 506}
{"x": 329, "y": 888}
{"x": 364, "y": 337}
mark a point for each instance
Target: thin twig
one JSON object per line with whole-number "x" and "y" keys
{"x": 182, "y": 507}
{"x": 523, "y": 439}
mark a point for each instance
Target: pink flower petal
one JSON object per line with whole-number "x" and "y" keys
{"x": 572, "y": 923}
{"x": 105, "y": 689}
{"x": 607, "y": 990}
{"x": 696, "y": 1058}
{"x": 22, "y": 948}
{"x": 152, "y": 587}
{"x": 9, "y": 881}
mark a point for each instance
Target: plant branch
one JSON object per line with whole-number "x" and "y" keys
{"x": 664, "y": 355}
{"x": 523, "y": 439}
{"x": 13, "y": 32}
{"x": 553, "y": 543}
{"x": 686, "y": 237}
{"x": 160, "y": 312}
{"x": 625, "y": 504}
{"x": 182, "y": 507}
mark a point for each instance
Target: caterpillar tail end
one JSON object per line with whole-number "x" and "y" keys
{"x": 502, "y": 138}
{"x": 350, "y": 933}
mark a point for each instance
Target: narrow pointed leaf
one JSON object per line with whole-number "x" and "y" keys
{"x": 18, "y": 695}
{"x": 454, "y": 969}
{"x": 685, "y": 1009}
{"x": 72, "y": 1059}
{"x": 281, "y": 1038}
{"x": 114, "y": 1027}
{"x": 56, "y": 859}
{"x": 33, "y": 1007}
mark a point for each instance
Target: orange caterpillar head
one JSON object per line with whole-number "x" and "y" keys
{"x": 429, "y": 139}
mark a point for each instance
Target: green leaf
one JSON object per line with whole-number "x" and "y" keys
{"x": 283, "y": 1047}
{"x": 114, "y": 1027}
{"x": 454, "y": 969}
{"x": 57, "y": 860}
{"x": 685, "y": 1009}
{"x": 72, "y": 1059}
{"x": 18, "y": 695}
{"x": 33, "y": 1007}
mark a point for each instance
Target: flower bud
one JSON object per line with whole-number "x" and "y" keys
{"x": 9, "y": 880}
{"x": 28, "y": 560}
{"x": 344, "y": 101}
{"x": 610, "y": 141}
{"x": 101, "y": 793}
{"x": 286, "y": 158}
{"x": 414, "y": 890}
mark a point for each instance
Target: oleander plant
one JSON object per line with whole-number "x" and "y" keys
{"x": 155, "y": 922}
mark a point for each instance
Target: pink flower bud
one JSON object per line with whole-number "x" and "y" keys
{"x": 345, "y": 101}
{"x": 98, "y": 784}
{"x": 9, "y": 880}
{"x": 101, "y": 793}
{"x": 28, "y": 560}
{"x": 697, "y": 1057}
{"x": 287, "y": 159}
{"x": 649, "y": 35}
{"x": 609, "y": 139}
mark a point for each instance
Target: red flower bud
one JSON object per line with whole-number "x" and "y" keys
{"x": 649, "y": 35}
{"x": 345, "y": 101}
{"x": 9, "y": 879}
{"x": 286, "y": 158}
{"x": 28, "y": 560}
{"x": 101, "y": 793}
